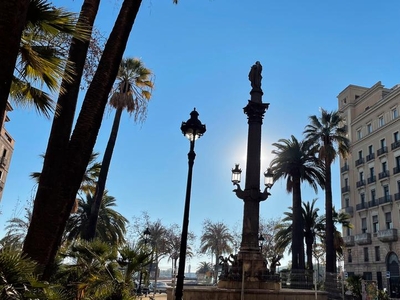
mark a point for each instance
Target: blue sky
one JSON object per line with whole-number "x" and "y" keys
{"x": 201, "y": 52}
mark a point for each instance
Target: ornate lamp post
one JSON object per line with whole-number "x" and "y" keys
{"x": 146, "y": 237}
{"x": 250, "y": 254}
{"x": 192, "y": 129}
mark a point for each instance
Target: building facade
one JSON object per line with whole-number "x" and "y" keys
{"x": 6, "y": 151}
{"x": 370, "y": 184}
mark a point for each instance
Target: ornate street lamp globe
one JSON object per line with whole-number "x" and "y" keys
{"x": 236, "y": 174}
{"x": 268, "y": 178}
{"x": 192, "y": 128}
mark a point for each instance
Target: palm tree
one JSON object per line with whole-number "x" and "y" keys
{"x": 134, "y": 92}
{"x": 68, "y": 155}
{"x": 41, "y": 61}
{"x": 313, "y": 225}
{"x": 217, "y": 239}
{"x": 89, "y": 179}
{"x": 16, "y": 230}
{"x": 296, "y": 162}
{"x": 92, "y": 272}
{"x": 329, "y": 134}
{"x": 111, "y": 226}
{"x": 18, "y": 280}
{"x": 12, "y": 22}
{"x": 343, "y": 219}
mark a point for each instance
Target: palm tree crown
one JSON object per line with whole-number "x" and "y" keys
{"x": 133, "y": 88}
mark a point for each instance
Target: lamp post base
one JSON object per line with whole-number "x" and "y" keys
{"x": 253, "y": 264}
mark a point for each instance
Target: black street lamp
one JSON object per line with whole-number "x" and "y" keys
{"x": 192, "y": 129}
{"x": 146, "y": 237}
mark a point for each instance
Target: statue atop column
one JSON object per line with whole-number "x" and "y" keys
{"x": 255, "y": 76}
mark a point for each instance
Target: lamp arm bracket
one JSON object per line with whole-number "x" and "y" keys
{"x": 264, "y": 195}
{"x": 239, "y": 192}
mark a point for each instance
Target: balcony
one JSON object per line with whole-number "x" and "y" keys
{"x": 361, "y": 206}
{"x": 383, "y": 175}
{"x": 363, "y": 238}
{"x": 349, "y": 240}
{"x": 397, "y": 196}
{"x": 381, "y": 151}
{"x": 370, "y": 156}
{"x": 373, "y": 203}
{"x": 359, "y": 161}
{"x": 386, "y": 199}
{"x": 395, "y": 145}
{"x": 396, "y": 170}
{"x": 371, "y": 179}
{"x": 389, "y": 235}
{"x": 360, "y": 183}
{"x": 346, "y": 189}
{"x": 349, "y": 210}
{"x": 345, "y": 168}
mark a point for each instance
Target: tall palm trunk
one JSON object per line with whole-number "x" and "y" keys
{"x": 297, "y": 228}
{"x": 12, "y": 22}
{"x": 42, "y": 240}
{"x": 309, "y": 248}
{"x": 54, "y": 202}
{"x": 101, "y": 183}
{"x": 330, "y": 246}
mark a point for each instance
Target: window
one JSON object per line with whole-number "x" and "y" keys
{"x": 396, "y": 136}
{"x": 386, "y": 194}
{"x": 359, "y": 134}
{"x": 349, "y": 255}
{"x": 375, "y": 224}
{"x": 369, "y": 128}
{"x": 370, "y": 149}
{"x": 361, "y": 176}
{"x": 377, "y": 253}
{"x": 373, "y": 196}
{"x": 381, "y": 121}
{"x": 383, "y": 143}
{"x": 348, "y": 231}
{"x": 346, "y": 182}
{"x": 371, "y": 172}
{"x": 367, "y": 276}
{"x": 360, "y": 154}
{"x": 397, "y": 162}
{"x": 364, "y": 225}
{"x": 384, "y": 167}
{"x": 388, "y": 220}
{"x": 362, "y": 199}
{"x": 395, "y": 113}
{"x": 366, "y": 258}
{"x": 346, "y": 202}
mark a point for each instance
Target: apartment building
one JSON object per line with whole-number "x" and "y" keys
{"x": 6, "y": 151}
{"x": 370, "y": 184}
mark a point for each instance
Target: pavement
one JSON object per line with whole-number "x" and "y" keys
{"x": 162, "y": 296}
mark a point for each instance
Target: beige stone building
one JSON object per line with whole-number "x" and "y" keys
{"x": 370, "y": 183}
{"x": 6, "y": 151}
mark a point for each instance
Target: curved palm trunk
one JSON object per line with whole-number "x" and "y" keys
{"x": 330, "y": 246}
{"x": 101, "y": 183}
{"x": 42, "y": 240}
{"x": 54, "y": 202}
{"x": 297, "y": 229}
{"x": 12, "y": 22}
